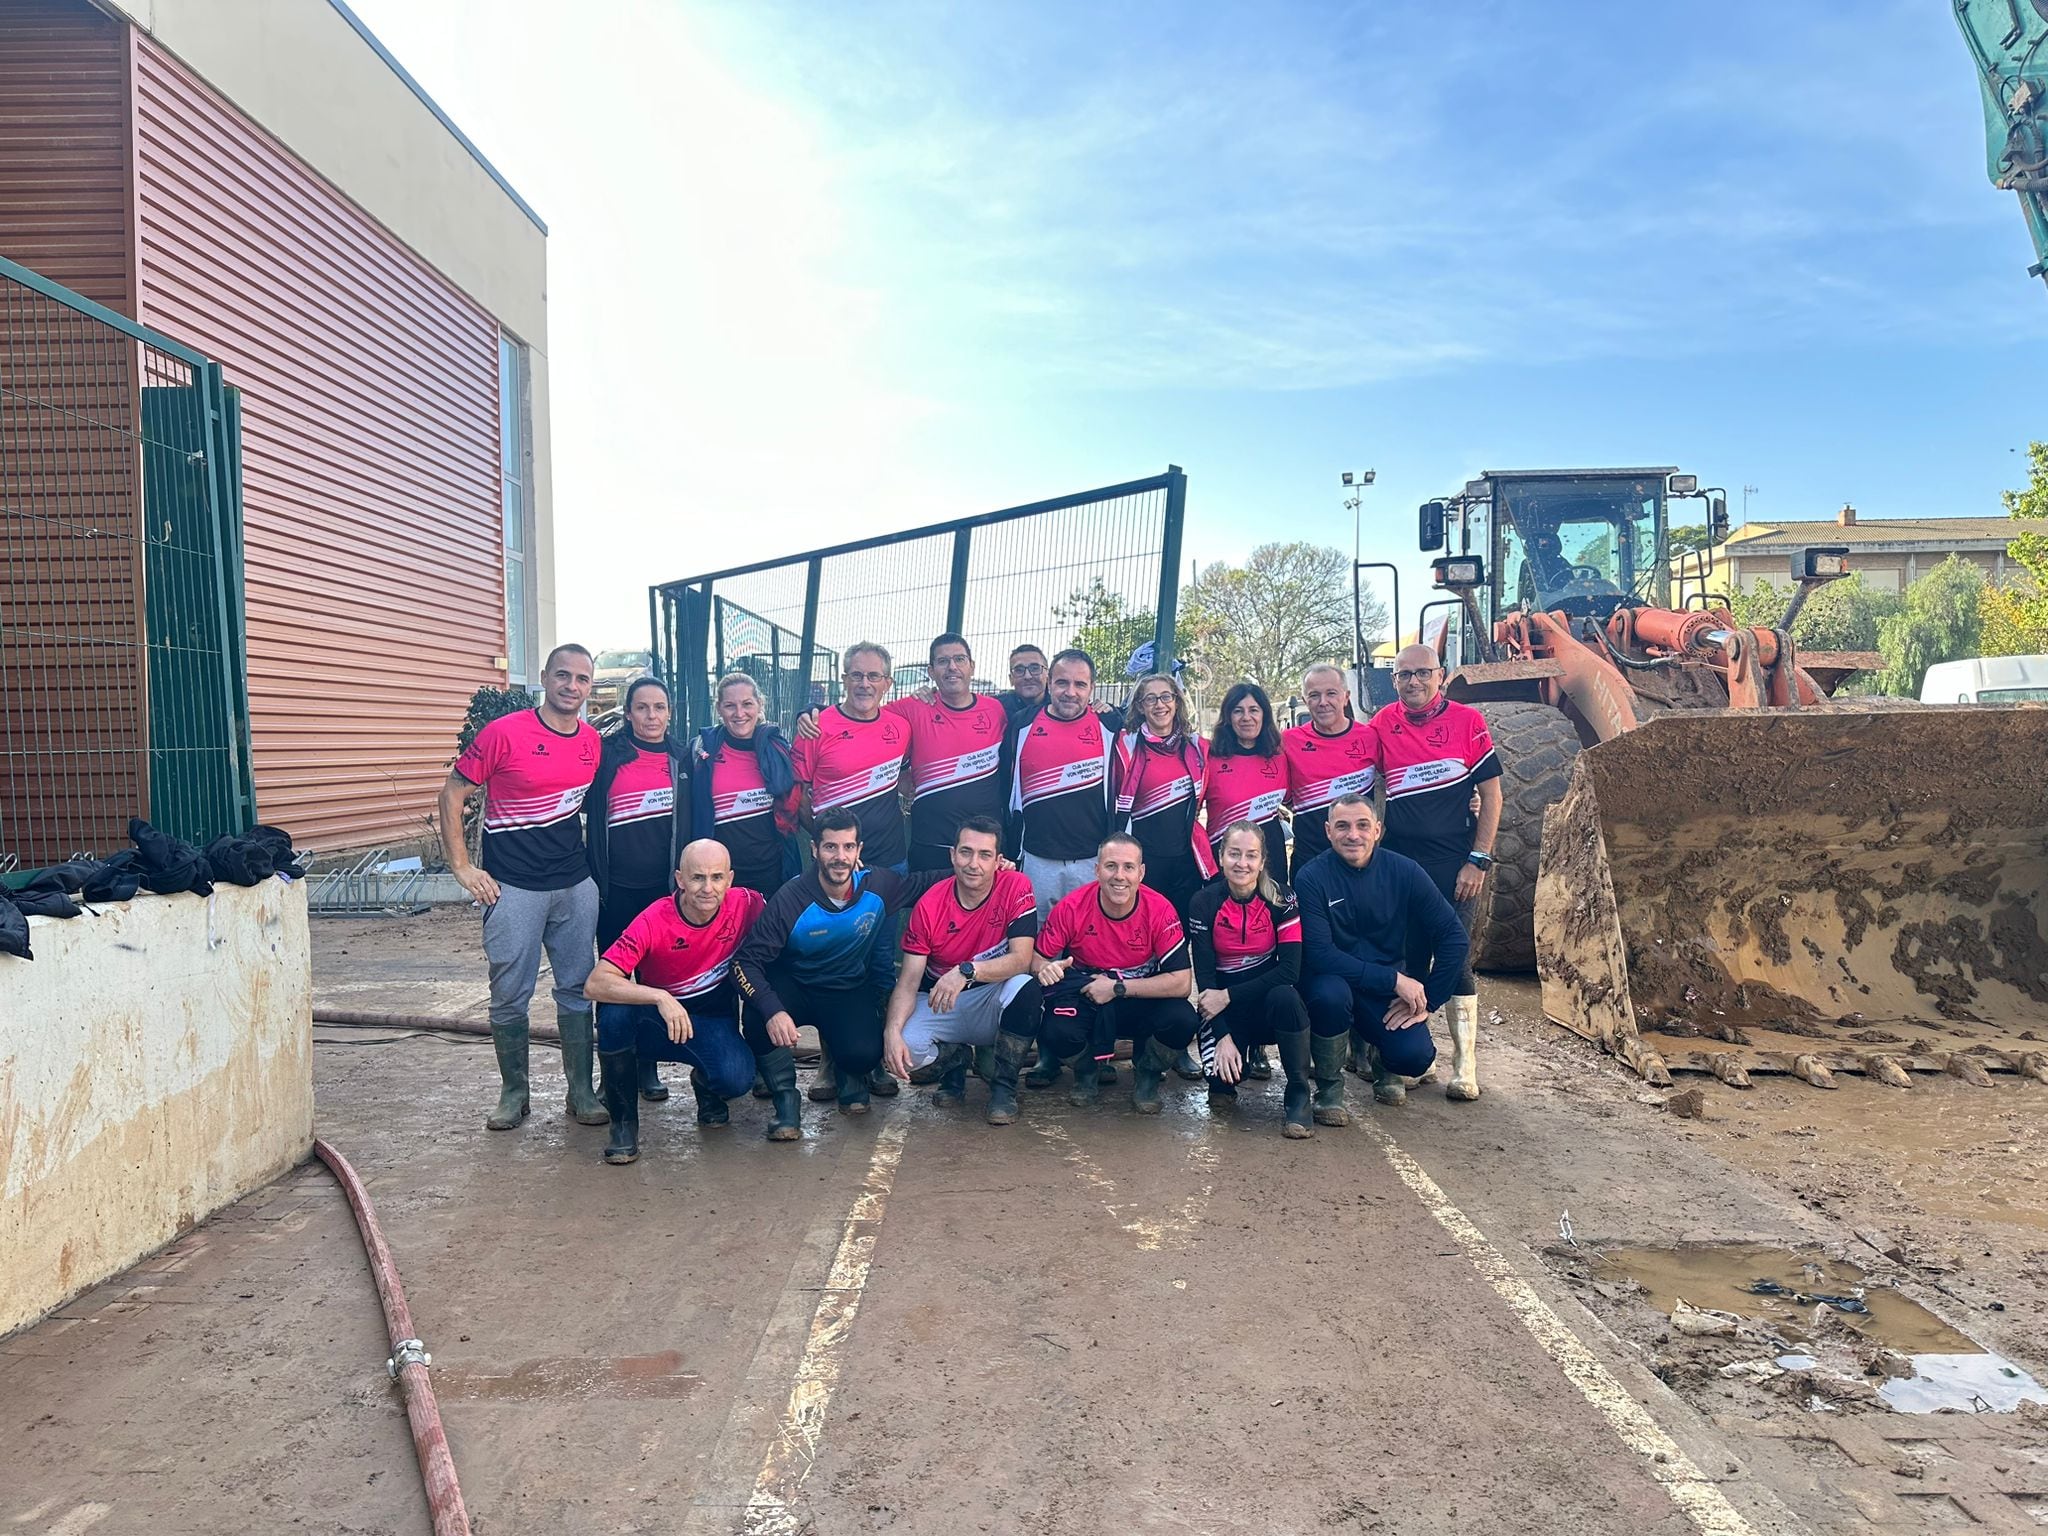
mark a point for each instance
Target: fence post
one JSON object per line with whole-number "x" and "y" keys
{"x": 691, "y": 652}
{"x": 814, "y": 571}
{"x": 234, "y": 709}
{"x": 956, "y": 590}
{"x": 1169, "y": 570}
{"x": 654, "y": 646}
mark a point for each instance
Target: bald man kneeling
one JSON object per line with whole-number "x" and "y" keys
{"x": 664, "y": 992}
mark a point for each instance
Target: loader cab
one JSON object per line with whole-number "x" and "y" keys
{"x": 1580, "y": 542}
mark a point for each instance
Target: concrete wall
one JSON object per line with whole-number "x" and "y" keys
{"x": 303, "y": 73}
{"x": 156, "y": 1063}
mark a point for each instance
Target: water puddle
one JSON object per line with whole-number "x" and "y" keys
{"x": 1840, "y": 1322}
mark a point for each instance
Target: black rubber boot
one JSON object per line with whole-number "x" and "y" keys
{"x": 1258, "y": 1066}
{"x": 882, "y": 1083}
{"x": 1187, "y": 1066}
{"x": 855, "y": 1096}
{"x": 952, "y": 1064}
{"x": 1300, "y": 1086}
{"x": 622, "y": 1104}
{"x": 1087, "y": 1089}
{"x": 1222, "y": 1095}
{"x": 985, "y": 1063}
{"x": 1149, "y": 1066}
{"x": 1046, "y": 1074}
{"x": 825, "y": 1081}
{"x": 652, "y": 1088}
{"x": 1326, "y": 1053}
{"x": 760, "y": 1086}
{"x": 511, "y": 1043}
{"x": 1002, "y": 1085}
{"x": 778, "y": 1071}
{"x": 1387, "y": 1087}
{"x": 711, "y": 1106}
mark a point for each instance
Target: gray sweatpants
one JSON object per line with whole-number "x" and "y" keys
{"x": 521, "y": 925}
{"x": 1053, "y": 878}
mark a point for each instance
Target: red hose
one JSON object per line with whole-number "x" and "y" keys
{"x": 408, "y": 1359}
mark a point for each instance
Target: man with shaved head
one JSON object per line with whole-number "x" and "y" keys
{"x": 664, "y": 992}
{"x": 1434, "y": 753}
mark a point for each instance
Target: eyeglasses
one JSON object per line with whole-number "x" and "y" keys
{"x": 867, "y": 677}
{"x": 1416, "y": 677}
{"x": 1021, "y": 670}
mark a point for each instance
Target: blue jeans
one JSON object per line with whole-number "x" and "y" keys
{"x": 714, "y": 1047}
{"x": 1335, "y": 1006}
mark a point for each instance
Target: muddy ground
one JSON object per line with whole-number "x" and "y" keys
{"x": 1085, "y": 1322}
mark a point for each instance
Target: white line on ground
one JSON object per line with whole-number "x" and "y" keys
{"x": 1150, "y": 1232}
{"x": 1695, "y": 1495}
{"x": 795, "y": 1446}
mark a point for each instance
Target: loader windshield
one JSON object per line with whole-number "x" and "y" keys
{"x": 1580, "y": 545}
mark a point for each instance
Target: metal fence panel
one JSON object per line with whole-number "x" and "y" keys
{"x": 120, "y": 602}
{"x": 1100, "y": 567}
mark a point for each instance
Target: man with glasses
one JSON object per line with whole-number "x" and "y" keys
{"x": 1433, "y": 754}
{"x": 854, "y": 764}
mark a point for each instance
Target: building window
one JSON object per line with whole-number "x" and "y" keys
{"x": 1880, "y": 581}
{"x": 515, "y": 448}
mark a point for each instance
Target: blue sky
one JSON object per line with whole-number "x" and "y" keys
{"x": 823, "y": 271}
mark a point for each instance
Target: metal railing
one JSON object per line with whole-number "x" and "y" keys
{"x": 1098, "y": 568}
{"x": 122, "y": 683}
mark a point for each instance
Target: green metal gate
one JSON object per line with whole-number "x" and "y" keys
{"x": 123, "y": 687}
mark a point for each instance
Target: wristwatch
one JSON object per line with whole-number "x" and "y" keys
{"x": 1119, "y": 988}
{"x": 967, "y": 971}
{"x": 1482, "y": 860}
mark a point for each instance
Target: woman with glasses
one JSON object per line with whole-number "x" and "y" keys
{"x": 1160, "y": 773}
{"x": 1245, "y": 933}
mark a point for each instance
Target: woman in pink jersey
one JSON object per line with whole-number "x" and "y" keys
{"x": 634, "y": 830}
{"x": 1161, "y": 772}
{"x": 1247, "y": 784}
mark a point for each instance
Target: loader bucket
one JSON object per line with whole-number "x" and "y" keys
{"x": 1805, "y": 890}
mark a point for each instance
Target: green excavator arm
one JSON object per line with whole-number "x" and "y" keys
{"x": 2009, "y": 41}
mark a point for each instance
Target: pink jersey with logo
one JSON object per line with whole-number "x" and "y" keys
{"x": 534, "y": 779}
{"x": 663, "y": 948}
{"x": 956, "y": 760}
{"x": 858, "y": 765}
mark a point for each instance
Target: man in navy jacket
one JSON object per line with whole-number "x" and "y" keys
{"x": 1364, "y": 910}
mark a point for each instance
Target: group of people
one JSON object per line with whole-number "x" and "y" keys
{"x": 994, "y": 882}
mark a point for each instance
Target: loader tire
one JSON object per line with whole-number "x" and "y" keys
{"x": 1537, "y": 745}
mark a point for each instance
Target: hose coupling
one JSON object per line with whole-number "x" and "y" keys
{"x": 407, "y": 1352}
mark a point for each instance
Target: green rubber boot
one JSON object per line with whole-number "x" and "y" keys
{"x": 1047, "y": 1073}
{"x": 1149, "y": 1067}
{"x": 1327, "y": 1053}
{"x": 1087, "y": 1090}
{"x": 825, "y": 1081}
{"x": 952, "y": 1064}
{"x": 622, "y": 1105}
{"x": 1387, "y": 1087}
{"x": 1300, "y": 1085}
{"x": 1002, "y": 1084}
{"x": 510, "y": 1040}
{"x": 778, "y": 1071}
{"x": 711, "y": 1106}
{"x": 575, "y": 1030}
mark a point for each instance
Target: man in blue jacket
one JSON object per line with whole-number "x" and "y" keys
{"x": 1364, "y": 910}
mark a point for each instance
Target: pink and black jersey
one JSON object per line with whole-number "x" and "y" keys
{"x": 534, "y": 779}
{"x": 1322, "y": 769}
{"x": 1159, "y": 788}
{"x": 1243, "y": 787}
{"x": 1247, "y": 947}
{"x": 663, "y": 948}
{"x": 1143, "y": 943}
{"x": 946, "y": 933}
{"x": 956, "y": 762}
{"x": 1059, "y": 784}
{"x": 1431, "y": 766}
{"x": 744, "y": 814}
{"x": 857, "y": 765}
{"x": 640, "y": 820}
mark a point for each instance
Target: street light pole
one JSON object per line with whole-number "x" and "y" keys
{"x": 1354, "y": 486}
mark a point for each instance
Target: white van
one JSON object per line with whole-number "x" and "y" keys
{"x": 1987, "y": 680}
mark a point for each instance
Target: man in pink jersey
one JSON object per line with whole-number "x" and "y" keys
{"x": 1331, "y": 756}
{"x": 965, "y": 981}
{"x": 534, "y": 767}
{"x": 958, "y": 755}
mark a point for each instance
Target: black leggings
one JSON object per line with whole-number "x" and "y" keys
{"x": 619, "y": 906}
{"x": 1280, "y": 1012}
{"x": 1073, "y": 1024}
{"x": 848, "y": 1020}
{"x": 1445, "y": 878}
{"x": 1175, "y": 879}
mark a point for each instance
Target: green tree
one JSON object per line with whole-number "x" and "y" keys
{"x": 1688, "y": 539}
{"x": 1110, "y": 630}
{"x": 2016, "y": 613}
{"x": 1287, "y": 607}
{"x": 1940, "y": 620}
{"x": 1844, "y": 615}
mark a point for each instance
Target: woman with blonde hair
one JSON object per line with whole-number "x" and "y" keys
{"x": 1245, "y": 933}
{"x": 1160, "y": 773}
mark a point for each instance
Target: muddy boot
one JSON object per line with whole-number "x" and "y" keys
{"x": 1187, "y": 1067}
{"x": 882, "y": 1083}
{"x": 1294, "y": 1057}
{"x": 778, "y": 1071}
{"x": 1358, "y": 1056}
{"x": 984, "y": 1063}
{"x": 652, "y": 1088}
{"x": 1222, "y": 1096}
{"x": 1002, "y": 1084}
{"x": 1326, "y": 1055}
{"x": 1087, "y": 1090}
{"x": 511, "y": 1043}
{"x": 1149, "y": 1065}
{"x": 622, "y": 1105}
{"x": 582, "y": 1101}
{"x": 928, "y": 1073}
{"x": 855, "y": 1097}
{"x": 760, "y": 1085}
{"x": 1046, "y": 1073}
{"x": 1258, "y": 1066}
{"x": 825, "y": 1081}
{"x": 1387, "y": 1087}
{"x": 1464, "y": 1083}
{"x": 711, "y": 1105}
{"x": 952, "y": 1064}
{"x": 1105, "y": 1074}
